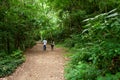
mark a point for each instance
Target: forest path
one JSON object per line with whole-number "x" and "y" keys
{"x": 40, "y": 65}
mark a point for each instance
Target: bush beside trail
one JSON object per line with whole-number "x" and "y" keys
{"x": 8, "y": 63}
{"x": 96, "y": 51}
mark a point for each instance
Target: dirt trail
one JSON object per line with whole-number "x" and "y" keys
{"x": 40, "y": 65}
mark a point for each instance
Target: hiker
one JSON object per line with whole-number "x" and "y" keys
{"x": 52, "y": 44}
{"x": 44, "y": 44}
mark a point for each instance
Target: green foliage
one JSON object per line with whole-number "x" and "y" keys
{"x": 20, "y": 24}
{"x": 97, "y": 47}
{"x": 71, "y": 13}
{"x": 73, "y": 41}
{"x": 8, "y": 63}
{"x": 110, "y": 77}
{"x": 95, "y": 44}
{"x": 82, "y": 71}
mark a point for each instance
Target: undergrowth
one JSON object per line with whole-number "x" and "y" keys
{"x": 8, "y": 63}
{"x": 96, "y": 51}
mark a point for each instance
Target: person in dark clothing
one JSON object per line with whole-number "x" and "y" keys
{"x": 52, "y": 45}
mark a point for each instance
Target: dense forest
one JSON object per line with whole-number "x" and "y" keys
{"x": 90, "y": 29}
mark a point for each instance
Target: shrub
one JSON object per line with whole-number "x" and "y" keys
{"x": 97, "y": 50}
{"x": 8, "y": 63}
{"x": 82, "y": 71}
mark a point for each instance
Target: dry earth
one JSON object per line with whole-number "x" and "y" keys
{"x": 40, "y": 65}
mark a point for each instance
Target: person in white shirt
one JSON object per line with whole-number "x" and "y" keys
{"x": 44, "y": 44}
